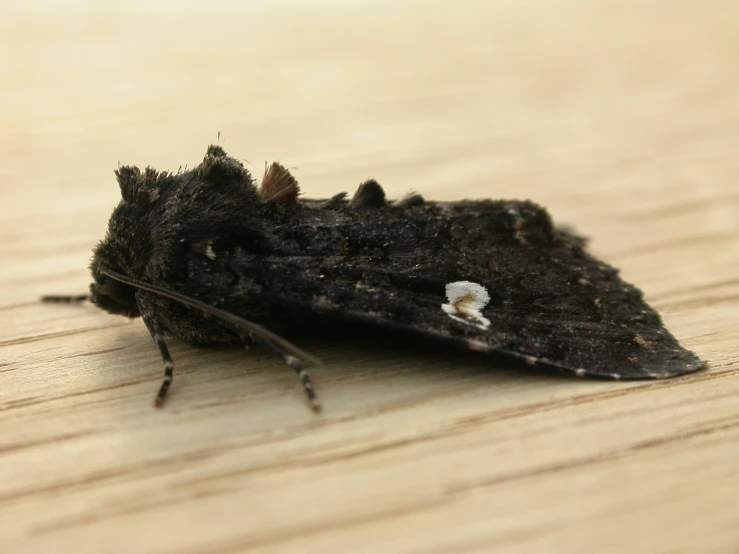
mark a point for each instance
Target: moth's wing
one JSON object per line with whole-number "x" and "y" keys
{"x": 551, "y": 303}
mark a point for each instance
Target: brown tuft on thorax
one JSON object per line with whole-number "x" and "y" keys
{"x": 278, "y": 185}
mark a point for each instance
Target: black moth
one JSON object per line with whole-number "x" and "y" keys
{"x": 197, "y": 252}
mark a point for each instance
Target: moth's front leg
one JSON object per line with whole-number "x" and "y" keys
{"x": 155, "y": 330}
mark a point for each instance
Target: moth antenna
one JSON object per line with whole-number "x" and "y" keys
{"x": 249, "y": 327}
{"x": 65, "y": 299}
{"x": 294, "y": 363}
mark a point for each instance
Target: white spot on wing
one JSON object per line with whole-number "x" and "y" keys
{"x": 209, "y": 252}
{"x": 466, "y": 301}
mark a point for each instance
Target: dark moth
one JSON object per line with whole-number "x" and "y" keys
{"x": 203, "y": 254}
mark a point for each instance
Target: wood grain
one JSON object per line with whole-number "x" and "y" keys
{"x": 621, "y": 117}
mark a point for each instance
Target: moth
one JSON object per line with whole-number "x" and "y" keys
{"x": 208, "y": 257}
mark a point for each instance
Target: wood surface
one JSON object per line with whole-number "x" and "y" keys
{"x": 622, "y": 117}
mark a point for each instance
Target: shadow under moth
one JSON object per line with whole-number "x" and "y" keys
{"x": 208, "y": 257}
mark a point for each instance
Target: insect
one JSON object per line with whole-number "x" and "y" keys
{"x": 208, "y": 257}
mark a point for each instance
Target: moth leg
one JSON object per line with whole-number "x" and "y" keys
{"x": 67, "y": 299}
{"x": 156, "y": 333}
{"x": 293, "y": 362}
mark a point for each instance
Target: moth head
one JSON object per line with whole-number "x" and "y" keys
{"x": 125, "y": 250}
{"x": 105, "y": 292}
{"x": 114, "y": 297}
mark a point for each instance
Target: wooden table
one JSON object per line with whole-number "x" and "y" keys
{"x": 621, "y": 117}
